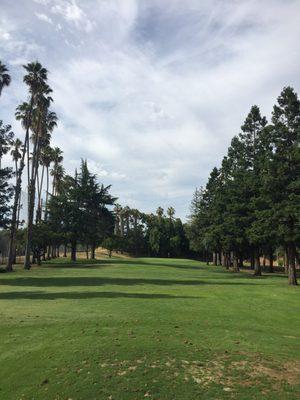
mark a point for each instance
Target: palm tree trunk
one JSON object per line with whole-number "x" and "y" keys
{"x": 32, "y": 187}
{"x": 47, "y": 193}
{"x": 14, "y": 218}
{"x": 40, "y": 187}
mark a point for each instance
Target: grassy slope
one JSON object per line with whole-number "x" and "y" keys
{"x": 147, "y": 328}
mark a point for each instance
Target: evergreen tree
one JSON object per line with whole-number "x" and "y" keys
{"x": 284, "y": 175}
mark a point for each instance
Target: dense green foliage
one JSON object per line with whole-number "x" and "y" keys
{"x": 251, "y": 204}
{"x": 78, "y": 213}
{"x": 149, "y": 234}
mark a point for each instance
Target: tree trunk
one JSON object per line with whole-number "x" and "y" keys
{"x": 48, "y": 252}
{"x": 14, "y": 222}
{"x": 31, "y": 196}
{"x": 241, "y": 262}
{"x": 47, "y": 192}
{"x": 14, "y": 219}
{"x": 252, "y": 260}
{"x": 13, "y": 228}
{"x": 292, "y": 265}
{"x": 27, "y": 264}
{"x": 257, "y": 266}
{"x": 38, "y": 257}
{"x": 65, "y": 250}
{"x": 271, "y": 268}
{"x": 214, "y": 258}
{"x": 53, "y": 253}
{"x": 286, "y": 261}
{"x": 93, "y": 252}
{"x": 34, "y": 253}
{"x": 73, "y": 251}
{"x": 223, "y": 259}
{"x": 87, "y": 252}
{"x": 235, "y": 263}
{"x": 226, "y": 261}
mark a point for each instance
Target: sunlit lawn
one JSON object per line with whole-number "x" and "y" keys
{"x": 147, "y": 328}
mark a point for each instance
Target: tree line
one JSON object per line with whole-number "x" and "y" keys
{"x": 63, "y": 211}
{"x": 68, "y": 211}
{"x": 157, "y": 235}
{"x": 250, "y": 205}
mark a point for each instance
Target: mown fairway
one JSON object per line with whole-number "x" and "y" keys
{"x": 147, "y": 329}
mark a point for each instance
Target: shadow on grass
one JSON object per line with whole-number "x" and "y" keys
{"x": 100, "y": 281}
{"x": 157, "y": 262}
{"x": 133, "y": 262}
{"x": 86, "y": 295}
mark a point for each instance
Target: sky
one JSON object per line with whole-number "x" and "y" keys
{"x": 151, "y": 92}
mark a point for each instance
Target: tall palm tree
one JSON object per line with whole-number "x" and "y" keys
{"x": 57, "y": 158}
{"x": 16, "y": 154}
{"x": 47, "y": 157}
{"x": 58, "y": 173}
{"x": 34, "y": 79}
{"x": 170, "y": 213}
{"x": 37, "y": 127}
{"x": 160, "y": 212}
{"x": 42, "y": 157}
{"x": 5, "y": 78}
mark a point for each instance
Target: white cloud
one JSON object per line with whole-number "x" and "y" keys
{"x": 153, "y": 94}
{"x": 71, "y": 12}
{"x": 43, "y": 17}
{"x": 4, "y": 35}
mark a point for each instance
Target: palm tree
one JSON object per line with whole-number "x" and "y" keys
{"x": 57, "y": 158}
{"x": 5, "y": 78}
{"x": 49, "y": 123}
{"x": 58, "y": 173}
{"x": 46, "y": 159}
{"x": 34, "y": 79}
{"x": 170, "y": 213}
{"x": 16, "y": 154}
{"x": 160, "y": 212}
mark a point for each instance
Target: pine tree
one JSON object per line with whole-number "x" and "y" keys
{"x": 284, "y": 175}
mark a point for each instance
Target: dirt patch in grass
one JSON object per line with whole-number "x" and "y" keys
{"x": 246, "y": 372}
{"x": 288, "y": 372}
{"x": 228, "y": 371}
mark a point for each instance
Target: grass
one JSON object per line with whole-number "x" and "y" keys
{"x": 147, "y": 329}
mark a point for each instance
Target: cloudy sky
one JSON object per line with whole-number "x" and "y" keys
{"x": 151, "y": 91}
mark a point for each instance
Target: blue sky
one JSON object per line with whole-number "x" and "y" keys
{"x": 151, "y": 91}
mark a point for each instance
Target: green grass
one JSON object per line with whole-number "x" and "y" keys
{"x": 147, "y": 329}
